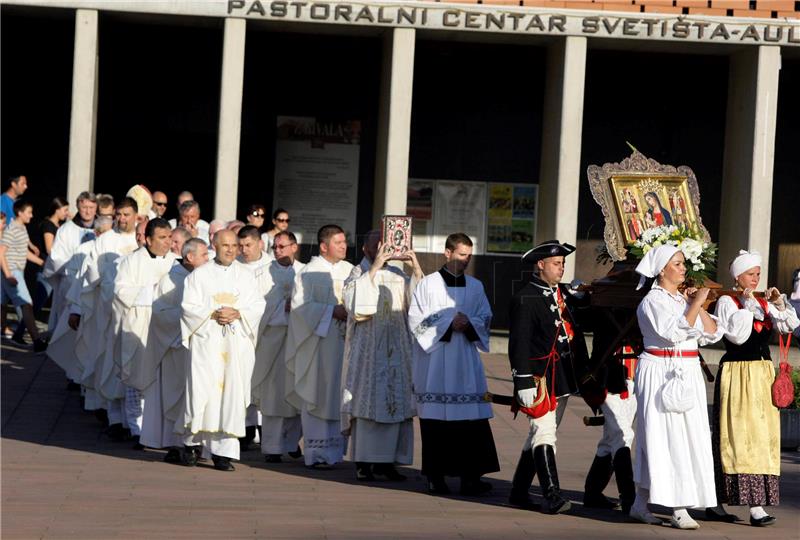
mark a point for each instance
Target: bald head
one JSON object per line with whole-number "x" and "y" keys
{"x": 226, "y": 245}
{"x": 160, "y": 203}
{"x": 184, "y": 196}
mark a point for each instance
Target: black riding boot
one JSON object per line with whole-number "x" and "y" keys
{"x": 623, "y": 472}
{"x": 596, "y": 481}
{"x": 523, "y": 477}
{"x": 545, "y": 458}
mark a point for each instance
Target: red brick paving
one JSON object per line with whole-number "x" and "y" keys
{"x": 62, "y": 478}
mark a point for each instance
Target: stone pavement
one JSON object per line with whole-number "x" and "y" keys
{"x": 63, "y": 478}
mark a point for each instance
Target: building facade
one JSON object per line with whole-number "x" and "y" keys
{"x": 503, "y": 94}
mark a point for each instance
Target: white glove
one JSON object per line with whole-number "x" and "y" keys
{"x": 527, "y": 396}
{"x": 573, "y": 288}
{"x": 145, "y": 297}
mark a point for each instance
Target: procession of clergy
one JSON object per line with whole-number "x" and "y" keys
{"x": 194, "y": 348}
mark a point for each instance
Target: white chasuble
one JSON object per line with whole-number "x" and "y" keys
{"x": 166, "y": 344}
{"x": 315, "y": 342}
{"x": 378, "y": 352}
{"x": 164, "y": 399}
{"x": 270, "y": 378}
{"x": 134, "y": 290}
{"x": 110, "y": 248}
{"x": 57, "y": 267}
{"x": 62, "y": 347}
{"x": 449, "y": 382}
{"x": 222, "y": 357}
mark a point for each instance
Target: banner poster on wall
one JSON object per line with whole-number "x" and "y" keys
{"x": 511, "y": 217}
{"x": 460, "y": 207}
{"x": 316, "y": 173}
{"x": 419, "y": 205}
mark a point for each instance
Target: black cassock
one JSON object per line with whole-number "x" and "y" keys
{"x": 536, "y": 326}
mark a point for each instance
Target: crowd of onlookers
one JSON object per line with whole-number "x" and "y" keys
{"x": 26, "y": 241}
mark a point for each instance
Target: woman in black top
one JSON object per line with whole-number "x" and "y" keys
{"x": 43, "y": 239}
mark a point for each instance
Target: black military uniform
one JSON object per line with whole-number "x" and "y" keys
{"x": 545, "y": 340}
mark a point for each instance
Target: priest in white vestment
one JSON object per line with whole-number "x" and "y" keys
{"x": 110, "y": 249}
{"x": 219, "y": 325}
{"x": 449, "y": 318}
{"x": 251, "y": 255}
{"x": 68, "y": 237}
{"x": 62, "y": 346}
{"x": 134, "y": 291}
{"x": 315, "y": 348}
{"x": 280, "y": 422}
{"x": 377, "y": 397}
{"x": 164, "y": 406}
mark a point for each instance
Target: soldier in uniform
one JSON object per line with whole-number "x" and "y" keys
{"x": 609, "y": 390}
{"x": 548, "y": 358}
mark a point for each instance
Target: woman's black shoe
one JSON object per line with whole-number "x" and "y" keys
{"x": 762, "y": 522}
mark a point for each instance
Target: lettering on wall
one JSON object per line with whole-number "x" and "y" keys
{"x": 521, "y": 22}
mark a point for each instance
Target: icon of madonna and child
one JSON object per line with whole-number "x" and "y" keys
{"x": 655, "y": 214}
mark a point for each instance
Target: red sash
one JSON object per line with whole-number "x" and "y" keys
{"x": 673, "y": 353}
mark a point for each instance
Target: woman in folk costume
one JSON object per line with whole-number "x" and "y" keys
{"x": 674, "y": 466}
{"x": 747, "y": 426}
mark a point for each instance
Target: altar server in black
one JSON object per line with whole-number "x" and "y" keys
{"x": 548, "y": 356}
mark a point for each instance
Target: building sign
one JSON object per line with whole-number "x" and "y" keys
{"x": 316, "y": 174}
{"x": 528, "y": 21}
{"x": 471, "y": 18}
{"x": 511, "y": 218}
{"x": 459, "y": 207}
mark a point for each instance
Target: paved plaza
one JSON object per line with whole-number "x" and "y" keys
{"x": 63, "y": 478}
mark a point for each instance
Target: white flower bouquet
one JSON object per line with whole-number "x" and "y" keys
{"x": 701, "y": 256}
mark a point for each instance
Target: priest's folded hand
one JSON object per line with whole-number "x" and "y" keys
{"x": 225, "y": 315}
{"x": 460, "y": 322}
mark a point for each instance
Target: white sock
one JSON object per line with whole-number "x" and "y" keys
{"x": 757, "y": 512}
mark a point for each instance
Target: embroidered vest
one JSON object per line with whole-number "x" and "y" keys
{"x": 757, "y": 345}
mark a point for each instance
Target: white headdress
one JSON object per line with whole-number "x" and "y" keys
{"x": 654, "y": 261}
{"x": 744, "y": 262}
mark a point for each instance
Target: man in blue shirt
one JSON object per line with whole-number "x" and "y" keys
{"x": 15, "y": 187}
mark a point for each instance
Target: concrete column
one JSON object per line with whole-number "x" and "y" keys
{"x": 745, "y": 214}
{"x": 394, "y": 123}
{"x": 560, "y": 175}
{"x": 230, "y": 119}
{"x": 83, "y": 119}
